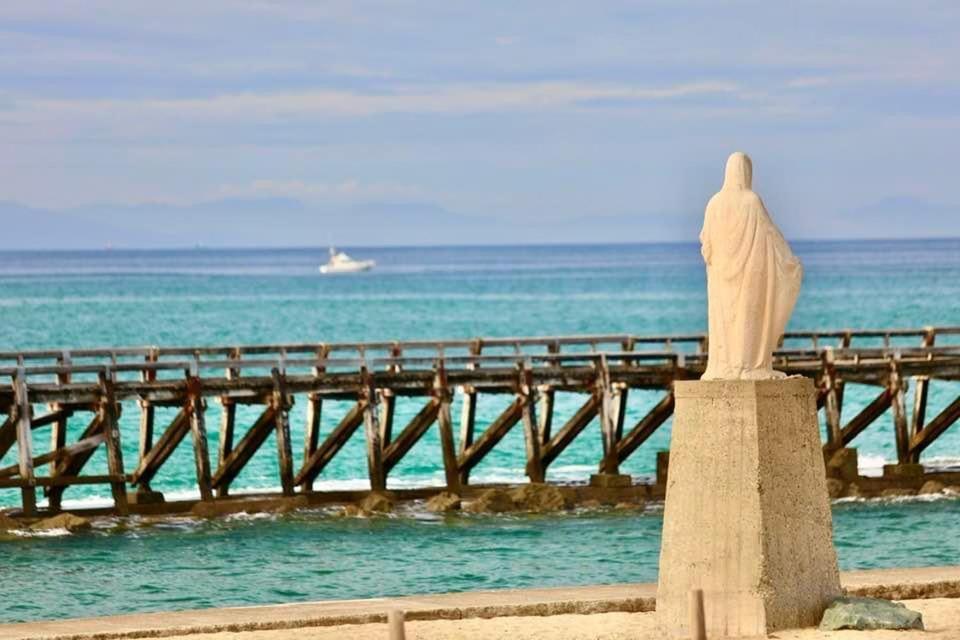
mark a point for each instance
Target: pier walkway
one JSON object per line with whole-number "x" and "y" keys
{"x": 604, "y": 369}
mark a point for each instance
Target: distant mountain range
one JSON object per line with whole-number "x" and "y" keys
{"x": 275, "y": 222}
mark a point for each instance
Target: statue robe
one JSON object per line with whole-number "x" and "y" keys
{"x": 753, "y": 279}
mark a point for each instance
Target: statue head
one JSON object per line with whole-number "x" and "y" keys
{"x": 739, "y": 172}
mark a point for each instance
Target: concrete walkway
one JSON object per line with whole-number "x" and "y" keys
{"x": 899, "y": 584}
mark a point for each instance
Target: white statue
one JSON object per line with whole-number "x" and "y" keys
{"x": 753, "y": 279}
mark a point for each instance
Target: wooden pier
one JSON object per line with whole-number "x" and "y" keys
{"x": 100, "y": 383}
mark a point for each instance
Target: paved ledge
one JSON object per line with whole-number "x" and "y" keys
{"x": 934, "y": 582}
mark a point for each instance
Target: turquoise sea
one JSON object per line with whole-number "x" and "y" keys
{"x": 193, "y": 297}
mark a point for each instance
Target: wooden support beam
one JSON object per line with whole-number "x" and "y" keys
{"x": 489, "y": 439}
{"x": 411, "y": 434}
{"x": 388, "y": 403}
{"x": 109, "y": 412}
{"x": 8, "y": 429}
{"x": 448, "y": 450}
{"x": 60, "y": 482}
{"x": 545, "y": 414}
{"x": 934, "y": 429}
{"x": 23, "y": 414}
{"x": 311, "y": 437}
{"x": 239, "y": 456}
{"x": 314, "y": 411}
{"x": 68, "y": 469}
{"x": 862, "y": 420}
{"x": 313, "y": 465}
{"x": 646, "y": 427}
{"x": 921, "y": 387}
{"x": 228, "y": 427}
{"x": 58, "y": 434}
{"x": 531, "y": 437}
{"x": 468, "y": 412}
{"x": 612, "y": 406}
{"x": 151, "y": 462}
{"x": 57, "y": 454}
{"x": 58, "y": 442}
{"x": 468, "y": 418}
{"x": 584, "y": 415}
{"x": 371, "y": 429}
{"x": 833, "y": 397}
{"x": 281, "y": 407}
{"x": 196, "y": 407}
{"x": 147, "y": 414}
{"x": 228, "y": 424}
{"x": 8, "y": 432}
{"x": 896, "y": 385}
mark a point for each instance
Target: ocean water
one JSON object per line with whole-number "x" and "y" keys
{"x": 193, "y": 297}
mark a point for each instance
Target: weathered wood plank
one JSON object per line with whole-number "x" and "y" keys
{"x": 313, "y": 465}
{"x": 312, "y": 432}
{"x": 70, "y": 467}
{"x": 935, "y": 428}
{"x": 411, "y": 434}
{"x": 489, "y": 439}
{"x": 896, "y": 386}
{"x": 448, "y": 450}
{"x": 388, "y": 403}
{"x": 468, "y": 418}
{"x": 151, "y": 462}
{"x": 833, "y": 398}
{"x": 646, "y": 427}
{"x": 109, "y": 412}
{"x": 862, "y": 420}
{"x": 571, "y": 429}
{"x": 371, "y": 429}
{"x": 545, "y": 414}
{"x": 60, "y": 482}
{"x": 23, "y": 415}
{"x": 531, "y": 437}
{"x": 281, "y": 405}
{"x": 57, "y": 455}
{"x": 196, "y": 408}
{"x": 240, "y": 455}
{"x": 228, "y": 427}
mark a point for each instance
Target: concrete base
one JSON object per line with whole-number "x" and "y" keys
{"x": 842, "y": 464}
{"x": 906, "y": 470}
{"x": 144, "y": 497}
{"x": 610, "y": 480}
{"x": 747, "y": 517}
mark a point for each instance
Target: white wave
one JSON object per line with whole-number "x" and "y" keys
{"x": 870, "y": 465}
{"x": 45, "y": 533}
{"x": 243, "y": 516}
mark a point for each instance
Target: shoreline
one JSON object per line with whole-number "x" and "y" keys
{"x": 895, "y": 584}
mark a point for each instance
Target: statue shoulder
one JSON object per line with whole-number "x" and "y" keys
{"x": 751, "y": 199}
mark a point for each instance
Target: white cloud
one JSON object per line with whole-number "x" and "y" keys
{"x": 457, "y": 98}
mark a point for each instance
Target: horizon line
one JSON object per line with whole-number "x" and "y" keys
{"x": 201, "y": 247}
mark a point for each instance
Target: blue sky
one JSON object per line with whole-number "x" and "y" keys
{"x": 248, "y": 122}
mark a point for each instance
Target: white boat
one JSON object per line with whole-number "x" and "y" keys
{"x": 340, "y": 262}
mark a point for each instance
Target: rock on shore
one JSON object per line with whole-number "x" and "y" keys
{"x": 531, "y": 498}
{"x": 66, "y": 521}
{"x": 869, "y": 614}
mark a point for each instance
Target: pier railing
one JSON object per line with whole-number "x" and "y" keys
{"x": 372, "y": 375}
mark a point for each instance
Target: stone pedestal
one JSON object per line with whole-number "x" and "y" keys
{"x": 611, "y": 480}
{"x": 747, "y": 517}
{"x": 843, "y": 464}
{"x": 905, "y": 470}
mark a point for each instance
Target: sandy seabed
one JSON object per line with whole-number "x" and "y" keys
{"x": 941, "y": 617}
